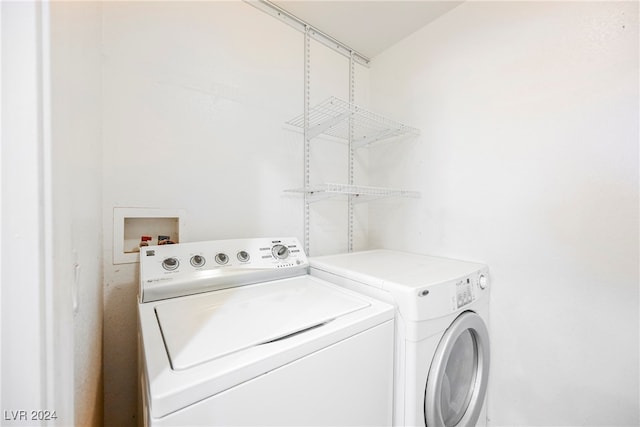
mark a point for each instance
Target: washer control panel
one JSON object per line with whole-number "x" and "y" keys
{"x": 169, "y": 271}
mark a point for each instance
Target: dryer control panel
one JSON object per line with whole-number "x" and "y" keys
{"x": 169, "y": 271}
{"x": 468, "y": 288}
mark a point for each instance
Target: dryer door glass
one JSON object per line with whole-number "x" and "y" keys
{"x": 457, "y": 380}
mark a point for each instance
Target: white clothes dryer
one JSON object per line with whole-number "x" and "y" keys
{"x": 442, "y": 352}
{"x": 235, "y": 332}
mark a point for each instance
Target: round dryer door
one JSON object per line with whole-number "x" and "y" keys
{"x": 457, "y": 381}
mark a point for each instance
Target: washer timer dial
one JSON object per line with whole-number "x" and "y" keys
{"x": 280, "y": 251}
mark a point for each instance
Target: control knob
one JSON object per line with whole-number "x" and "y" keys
{"x": 197, "y": 260}
{"x": 170, "y": 264}
{"x": 482, "y": 281}
{"x": 280, "y": 251}
{"x": 222, "y": 258}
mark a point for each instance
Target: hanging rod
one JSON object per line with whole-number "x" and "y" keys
{"x": 302, "y": 26}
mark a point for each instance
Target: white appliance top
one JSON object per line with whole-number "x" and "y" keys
{"x": 218, "y": 324}
{"x": 382, "y": 266}
{"x": 199, "y": 345}
{"x": 169, "y": 271}
{"x": 451, "y": 285}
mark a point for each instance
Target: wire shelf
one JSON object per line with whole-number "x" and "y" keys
{"x": 331, "y": 117}
{"x": 360, "y": 192}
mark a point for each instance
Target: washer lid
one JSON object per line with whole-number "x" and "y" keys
{"x": 209, "y": 326}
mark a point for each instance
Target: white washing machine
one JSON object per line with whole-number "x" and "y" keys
{"x": 236, "y": 332}
{"x": 442, "y": 341}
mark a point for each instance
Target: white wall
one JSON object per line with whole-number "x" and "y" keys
{"x": 24, "y": 284}
{"x": 528, "y": 161}
{"x": 77, "y": 195}
{"x": 51, "y": 214}
{"x": 195, "y": 97}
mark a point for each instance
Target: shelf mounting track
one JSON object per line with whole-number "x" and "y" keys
{"x": 304, "y": 27}
{"x": 336, "y": 118}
